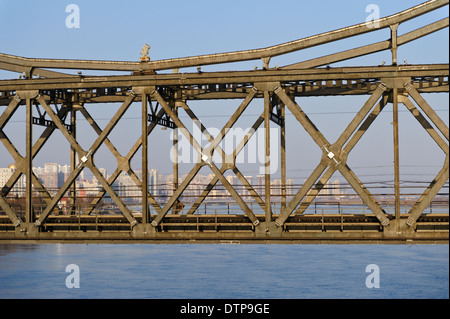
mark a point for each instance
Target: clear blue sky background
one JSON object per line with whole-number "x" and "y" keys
{"x": 117, "y": 30}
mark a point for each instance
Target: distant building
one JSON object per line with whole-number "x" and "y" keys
{"x": 19, "y": 187}
{"x": 336, "y": 190}
{"x": 53, "y": 176}
{"x": 260, "y": 185}
{"x": 290, "y": 187}
{"x": 153, "y": 182}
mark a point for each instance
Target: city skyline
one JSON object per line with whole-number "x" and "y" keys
{"x": 53, "y": 175}
{"x": 323, "y": 113}
{"x": 189, "y": 151}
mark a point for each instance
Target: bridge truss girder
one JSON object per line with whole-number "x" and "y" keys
{"x": 334, "y": 155}
{"x": 277, "y": 87}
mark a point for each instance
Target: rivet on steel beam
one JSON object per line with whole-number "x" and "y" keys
{"x": 410, "y": 221}
{"x": 84, "y": 159}
{"x": 37, "y": 223}
{"x": 278, "y": 223}
{"x": 17, "y": 223}
{"x": 408, "y": 86}
{"x": 206, "y": 159}
{"x": 255, "y": 89}
{"x": 17, "y": 97}
{"x": 329, "y": 153}
{"x": 154, "y": 224}
{"x": 277, "y": 89}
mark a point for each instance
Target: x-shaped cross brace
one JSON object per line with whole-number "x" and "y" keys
{"x": 206, "y": 156}
{"x": 123, "y": 163}
{"x": 231, "y": 165}
{"x": 443, "y": 175}
{"x": 333, "y": 155}
{"x": 20, "y": 160}
{"x": 86, "y": 159}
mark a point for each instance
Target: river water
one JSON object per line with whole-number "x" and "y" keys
{"x": 223, "y": 271}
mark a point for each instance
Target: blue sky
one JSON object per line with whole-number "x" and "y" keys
{"x": 117, "y": 30}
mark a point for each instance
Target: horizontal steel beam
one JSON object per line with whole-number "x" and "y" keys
{"x": 331, "y": 229}
{"x": 325, "y": 74}
{"x": 371, "y": 48}
{"x": 237, "y": 91}
{"x": 236, "y": 56}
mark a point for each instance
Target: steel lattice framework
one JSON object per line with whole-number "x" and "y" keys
{"x": 59, "y": 97}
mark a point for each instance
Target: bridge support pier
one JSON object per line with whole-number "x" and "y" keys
{"x": 27, "y": 230}
{"x": 398, "y": 229}
{"x": 143, "y": 231}
{"x": 268, "y": 230}
{"x": 31, "y": 210}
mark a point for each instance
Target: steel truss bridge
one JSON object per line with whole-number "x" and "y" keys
{"x": 53, "y": 99}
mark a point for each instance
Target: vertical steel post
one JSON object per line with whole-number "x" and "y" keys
{"x": 73, "y": 160}
{"x": 267, "y": 206}
{"x": 283, "y": 156}
{"x": 175, "y": 162}
{"x": 394, "y": 43}
{"x": 396, "y": 153}
{"x": 144, "y": 159}
{"x": 29, "y": 164}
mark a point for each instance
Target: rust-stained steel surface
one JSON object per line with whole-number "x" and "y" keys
{"x": 60, "y": 98}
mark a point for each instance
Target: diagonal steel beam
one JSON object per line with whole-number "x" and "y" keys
{"x": 236, "y": 171}
{"x": 115, "y": 152}
{"x": 125, "y": 211}
{"x": 176, "y": 195}
{"x": 443, "y": 175}
{"x": 426, "y": 125}
{"x": 86, "y": 158}
{"x": 236, "y": 152}
{"x": 57, "y": 197}
{"x": 21, "y": 169}
{"x": 215, "y": 179}
{"x": 206, "y": 158}
{"x": 328, "y": 155}
{"x": 365, "y": 195}
{"x": 431, "y": 192}
{"x": 4, "y": 118}
{"x": 124, "y": 166}
{"x": 343, "y": 138}
{"x": 9, "y": 212}
{"x": 9, "y": 111}
{"x": 307, "y": 185}
{"x": 20, "y": 161}
{"x": 428, "y": 110}
{"x": 249, "y": 187}
{"x": 345, "y": 151}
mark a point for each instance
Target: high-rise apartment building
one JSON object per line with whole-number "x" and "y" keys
{"x": 19, "y": 187}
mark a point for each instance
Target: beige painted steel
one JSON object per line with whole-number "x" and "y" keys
{"x": 277, "y": 87}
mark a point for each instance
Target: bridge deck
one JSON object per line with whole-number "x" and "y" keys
{"x": 221, "y": 228}
{"x": 58, "y": 97}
